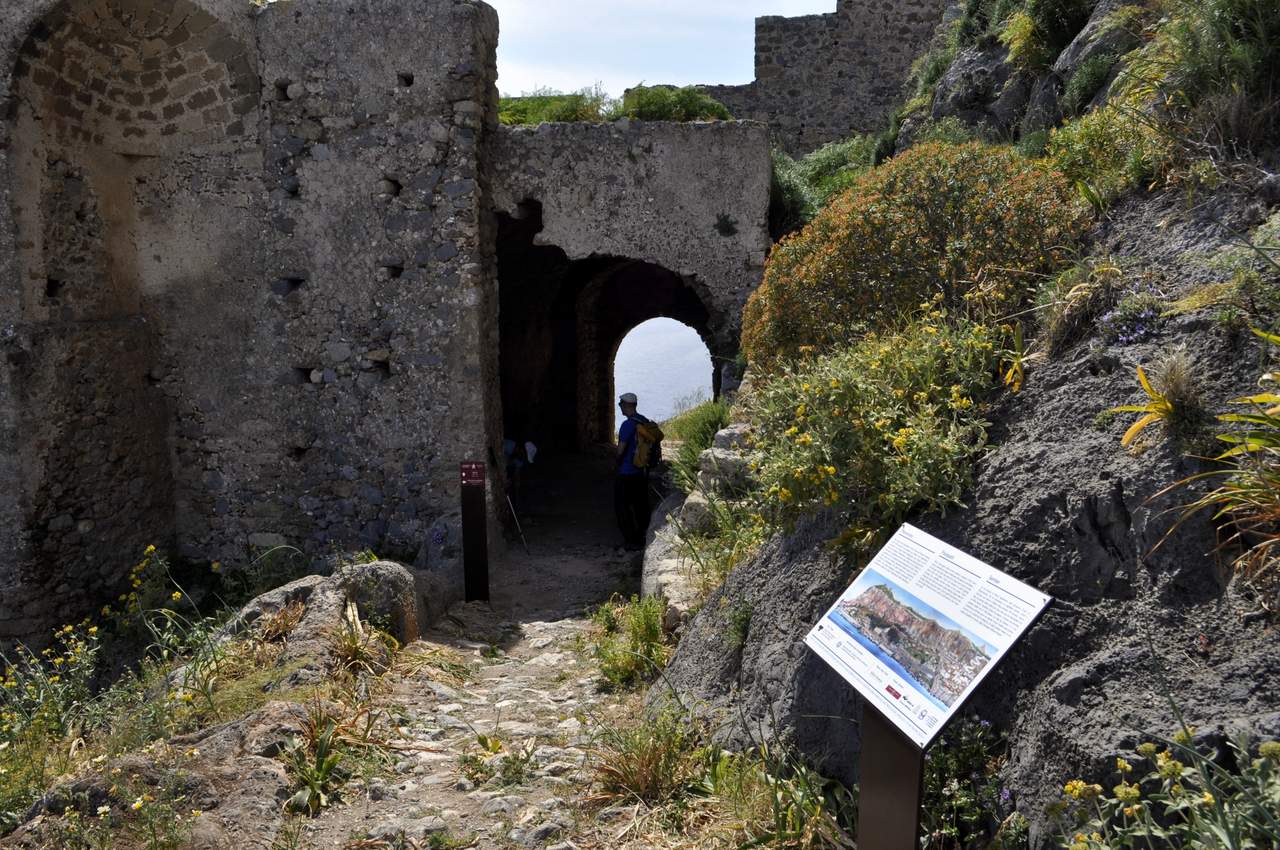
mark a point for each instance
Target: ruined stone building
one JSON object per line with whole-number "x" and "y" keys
{"x": 267, "y": 275}
{"x": 822, "y": 78}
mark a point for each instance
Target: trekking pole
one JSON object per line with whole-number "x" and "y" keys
{"x": 511, "y": 505}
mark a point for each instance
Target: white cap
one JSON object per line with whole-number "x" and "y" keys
{"x": 628, "y": 398}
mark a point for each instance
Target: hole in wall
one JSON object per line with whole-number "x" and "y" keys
{"x": 299, "y": 375}
{"x": 297, "y": 452}
{"x": 282, "y": 89}
{"x": 405, "y": 79}
{"x": 53, "y": 288}
{"x": 382, "y": 369}
{"x": 390, "y": 188}
{"x": 286, "y": 286}
{"x": 390, "y": 272}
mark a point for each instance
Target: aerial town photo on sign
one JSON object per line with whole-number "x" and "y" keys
{"x": 927, "y": 649}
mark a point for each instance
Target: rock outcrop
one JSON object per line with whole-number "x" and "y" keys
{"x": 1059, "y": 504}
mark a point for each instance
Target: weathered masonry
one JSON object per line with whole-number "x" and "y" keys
{"x": 821, "y": 78}
{"x": 268, "y": 275}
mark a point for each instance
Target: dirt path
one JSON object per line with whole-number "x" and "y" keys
{"x": 530, "y": 691}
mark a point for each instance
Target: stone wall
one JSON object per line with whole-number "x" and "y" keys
{"x": 250, "y": 289}
{"x": 379, "y": 281}
{"x": 245, "y": 301}
{"x": 820, "y": 78}
{"x": 116, "y": 107}
{"x": 608, "y": 225}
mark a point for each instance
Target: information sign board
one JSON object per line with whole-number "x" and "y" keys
{"x": 920, "y": 627}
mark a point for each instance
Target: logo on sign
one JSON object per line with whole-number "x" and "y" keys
{"x": 892, "y": 692}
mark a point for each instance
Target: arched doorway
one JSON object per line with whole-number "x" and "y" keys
{"x": 133, "y": 122}
{"x": 665, "y": 363}
{"x": 561, "y": 323}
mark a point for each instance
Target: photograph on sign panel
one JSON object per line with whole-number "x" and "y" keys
{"x": 929, "y": 651}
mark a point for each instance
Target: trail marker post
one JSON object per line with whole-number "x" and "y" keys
{"x": 475, "y": 533}
{"x": 915, "y": 634}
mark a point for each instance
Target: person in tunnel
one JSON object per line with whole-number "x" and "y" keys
{"x": 631, "y": 481}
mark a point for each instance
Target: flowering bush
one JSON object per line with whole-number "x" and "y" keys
{"x": 1184, "y": 798}
{"x": 965, "y": 803}
{"x": 973, "y": 223}
{"x": 880, "y": 428}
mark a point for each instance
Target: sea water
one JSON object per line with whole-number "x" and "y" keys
{"x": 666, "y": 364}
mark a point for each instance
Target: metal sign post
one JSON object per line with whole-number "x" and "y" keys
{"x": 891, "y": 774}
{"x": 475, "y": 534}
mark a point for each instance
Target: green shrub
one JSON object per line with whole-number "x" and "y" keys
{"x": 664, "y": 103}
{"x": 790, "y": 206}
{"x": 965, "y": 804}
{"x": 1109, "y": 151}
{"x": 802, "y": 187}
{"x": 1214, "y": 65}
{"x": 1086, "y": 82}
{"x": 879, "y": 429}
{"x": 973, "y": 223}
{"x": 1041, "y": 29}
{"x": 982, "y": 19}
{"x": 949, "y": 131}
{"x": 630, "y": 645}
{"x": 549, "y": 106}
{"x": 695, "y": 428}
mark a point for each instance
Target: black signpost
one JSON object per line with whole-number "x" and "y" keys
{"x": 891, "y": 773}
{"x": 475, "y": 534}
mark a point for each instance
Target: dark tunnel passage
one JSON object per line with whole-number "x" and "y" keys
{"x": 561, "y": 323}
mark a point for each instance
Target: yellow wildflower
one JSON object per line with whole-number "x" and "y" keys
{"x": 1123, "y": 766}
{"x": 176, "y": 596}
{"x": 1081, "y": 790}
{"x": 1127, "y": 792}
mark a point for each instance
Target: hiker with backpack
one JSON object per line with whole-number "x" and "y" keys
{"x": 639, "y": 450}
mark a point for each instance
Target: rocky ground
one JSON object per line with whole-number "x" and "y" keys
{"x": 532, "y": 695}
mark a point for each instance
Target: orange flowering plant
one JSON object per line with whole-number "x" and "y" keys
{"x": 973, "y": 223}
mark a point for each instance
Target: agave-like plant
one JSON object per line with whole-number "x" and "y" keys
{"x": 1246, "y": 505}
{"x": 1159, "y": 408}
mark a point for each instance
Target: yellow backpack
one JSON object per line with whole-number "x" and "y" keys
{"x": 648, "y": 445}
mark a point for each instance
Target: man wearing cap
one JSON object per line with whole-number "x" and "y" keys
{"x": 631, "y": 483}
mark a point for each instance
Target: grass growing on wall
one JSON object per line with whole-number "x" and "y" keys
{"x": 550, "y": 106}
{"x": 593, "y": 105}
{"x": 694, "y": 429}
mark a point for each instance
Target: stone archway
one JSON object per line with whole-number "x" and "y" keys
{"x": 561, "y": 322}
{"x": 133, "y": 125}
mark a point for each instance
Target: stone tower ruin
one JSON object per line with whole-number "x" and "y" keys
{"x": 268, "y": 275}
{"x": 821, "y": 78}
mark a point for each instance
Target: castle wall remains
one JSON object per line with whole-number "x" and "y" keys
{"x": 821, "y": 78}
{"x": 249, "y": 279}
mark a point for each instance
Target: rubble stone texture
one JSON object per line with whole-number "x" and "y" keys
{"x": 821, "y": 78}
{"x": 250, "y": 287}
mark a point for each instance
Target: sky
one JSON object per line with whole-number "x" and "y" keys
{"x": 574, "y": 44}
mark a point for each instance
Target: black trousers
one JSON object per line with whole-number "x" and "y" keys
{"x": 631, "y": 504}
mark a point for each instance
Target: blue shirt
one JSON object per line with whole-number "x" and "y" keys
{"x": 627, "y": 437}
